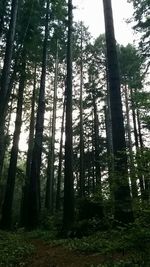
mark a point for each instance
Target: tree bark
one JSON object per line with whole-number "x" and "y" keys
{"x": 6, "y": 219}
{"x": 131, "y": 158}
{"x": 58, "y": 197}
{"x": 23, "y": 209}
{"x": 82, "y": 174}
{"x": 34, "y": 183}
{"x": 97, "y": 152}
{"x": 4, "y": 82}
{"x": 68, "y": 212}
{"x": 138, "y": 152}
{"x": 122, "y": 198}
{"x": 49, "y": 199}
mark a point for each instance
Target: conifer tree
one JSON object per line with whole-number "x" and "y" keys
{"x": 122, "y": 198}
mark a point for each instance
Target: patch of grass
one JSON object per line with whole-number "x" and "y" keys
{"x": 13, "y": 249}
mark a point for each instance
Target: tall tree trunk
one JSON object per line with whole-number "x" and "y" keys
{"x": 131, "y": 158}
{"x": 68, "y": 212}
{"x": 4, "y": 82}
{"x": 144, "y": 167}
{"x": 109, "y": 150}
{"x": 58, "y": 204}
{"x": 23, "y": 209}
{"x": 6, "y": 219}
{"x": 122, "y": 198}
{"x": 49, "y": 200}
{"x": 93, "y": 158}
{"x": 96, "y": 144}
{"x": 109, "y": 139}
{"x": 82, "y": 174}
{"x": 97, "y": 152}
{"x": 6, "y": 136}
{"x": 138, "y": 152}
{"x": 2, "y": 186}
{"x": 3, "y": 117}
{"x": 34, "y": 183}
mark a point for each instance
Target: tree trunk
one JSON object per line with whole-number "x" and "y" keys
{"x": 93, "y": 159}
{"x": 34, "y": 183}
{"x": 4, "y": 82}
{"x": 49, "y": 200}
{"x": 68, "y": 213}
{"x": 144, "y": 167}
{"x": 122, "y": 198}
{"x": 58, "y": 196}
{"x": 6, "y": 219}
{"x": 23, "y": 209}
{"x": 8, "y": 55}
{"x": 97, "y": 152}
{"x": 131, "y": 160}
{"x": 138, "y": 152}
{"x": 3, "y": 117}
{"x": 82, "y": 174}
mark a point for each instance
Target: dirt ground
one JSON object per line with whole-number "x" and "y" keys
{"x": 58, "y": 256}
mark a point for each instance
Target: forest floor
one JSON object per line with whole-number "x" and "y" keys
{"x": 58, "y": 256}
{"x": 120, "y": 247}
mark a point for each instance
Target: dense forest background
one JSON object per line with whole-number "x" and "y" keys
{"x": 74, "y": 129}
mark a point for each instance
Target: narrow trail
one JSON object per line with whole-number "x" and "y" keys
{"x": 58, "y": 256}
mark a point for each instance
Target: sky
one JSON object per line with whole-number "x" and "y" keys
{"x": 91, "y": 12}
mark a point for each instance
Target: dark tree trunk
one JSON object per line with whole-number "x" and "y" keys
{"x": 49, "y": 199}
{"x": 34, "y": 183}
{"x": 96, "y": 144}
{"x": 4, "y": 82}
{"x": 122, "y": 198}
{"x": 6, "y": 134}
{"x": 109, "y": 142}
{"x": 93, "y": 159}
{"x": 109, "y": 150}
{"x": 138, "y": 152}
{"x": 6, "y": 219}
{"x": 68, "y": 214}
{"x": 58, "y": 196}
{"x": 23, "y": 209}
{"x": 6, "y": 144}
{"x": 97, "y": 152}
{"x": 3, "y": 117}
{"x": 144, "y": 167}
{"x": 82, "y": 174}
{"x": 131, "y": 158}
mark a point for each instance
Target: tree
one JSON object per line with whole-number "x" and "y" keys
{"x": 4, "y": 80}
{"x": 59, "y": 180}
{"x": 122, "y": 198}
{"x": 6, "y": 219}
{"x": 142, "y": 22}
{"x": 82, "y": 175}
{"x": 68, "y": 212}
{"x": 49, "y": 199}
{"x": 34, "y": 183}
{"x": 23, "y": 209}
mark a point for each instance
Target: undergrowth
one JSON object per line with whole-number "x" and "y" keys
{"x": 121, "y": 246}
{"x": 13, "y": 249}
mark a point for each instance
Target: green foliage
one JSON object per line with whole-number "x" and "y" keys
{"x": 13, "y": 249}
{"x": 142, "y": 22}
